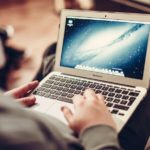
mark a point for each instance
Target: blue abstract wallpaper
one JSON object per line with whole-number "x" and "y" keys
{"x": 106, "y": 46}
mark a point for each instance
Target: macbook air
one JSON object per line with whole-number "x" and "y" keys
{"x": 106, "y": 52}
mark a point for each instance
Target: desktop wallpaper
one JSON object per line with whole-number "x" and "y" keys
{"x": 106, "y": 46}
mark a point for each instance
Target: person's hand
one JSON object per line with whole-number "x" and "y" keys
{"x": 90, "y": 110}
{"x": 20, "y": 93}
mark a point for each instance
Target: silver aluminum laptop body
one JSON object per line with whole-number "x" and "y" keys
{"x": 101, "y": 47}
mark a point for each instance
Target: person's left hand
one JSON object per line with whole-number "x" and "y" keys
{"x": 20, "y": 93}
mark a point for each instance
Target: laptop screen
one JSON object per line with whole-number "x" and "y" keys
{"x": 107, "y": 46}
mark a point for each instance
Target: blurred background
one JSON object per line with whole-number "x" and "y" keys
{"x": 32, "y": 26}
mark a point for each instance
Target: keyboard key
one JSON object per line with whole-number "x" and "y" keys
{"x": 92, "y": 86}
{"x": 61, "y": 84}
{"x": 130, "y": 103}
{"x": 118, "y": 95}
{"x": 53, "y": 96}
{"x": 104, "y": 93}
{"x": 67, "y": 85}
{"x": 54, "y": 87}
{"x": 59, "y": 88}
{"x": 64, "y": 99}
{"x": 46, "y": 90}
{"x": 118, "y": 91}
{"x": 79, "y": 87}
{"x": 125, "y": 97}
{"x": 74, "y": 82}
{"x": 52, "y": 77}
{"x": 38, "y": 93}
{"x": 46, "y": 85}
{"x": 68, "y": 81}
{"x": 105, "y": 88}
{"x": 77, "y": 92}
{"x": 111, "y": 89}
{"x": 109, "y": 99}
{"x": 123, "y": 102}
{"x": 132, "y": 98}
{"x": 121, "y": 114}
{"x": 68, "y": 100}
{"x": 56, "y": 83}
{"x": 73, "y": 86}
{"x": 70, "y": 95}
{"x": 52, "y": 91}
{"x": 116, "y": 100}
{"x": 121, "y": 107}
{"x": 80, "y": 83}
{"x": 35, "y": 92}
{"x": 49, "y": 81}
{"x": 98, "y": 91}
{"x": 63, "y": 80}
{"x": 114, "y": 111}
{"x": 98, "y": 87}
{"x": 64, "y": 94}
{"x": 84, "y": 89}
{"x": 133, "y": 94}
{"x": 109, "y": 104}
{"x": 111, "y": 94}
{"x": 86, "y": 84}
{"x": 58, "y": 93}
{"x": 71, "y": 91}
{"x": 125, "y": 92}
{"x": 41, "y": 89}
{"x": 47, "y": 95}
{"x": 65, "y": 89}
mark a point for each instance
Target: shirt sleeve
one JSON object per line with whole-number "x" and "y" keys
{"x": 100, "y": 137}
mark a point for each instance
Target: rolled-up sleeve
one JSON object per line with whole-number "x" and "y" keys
{"x": 100, "y": 137}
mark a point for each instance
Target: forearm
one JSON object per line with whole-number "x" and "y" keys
{"x": 100, "y": 137}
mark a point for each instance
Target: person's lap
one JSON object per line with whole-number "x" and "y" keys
{"x": 137, "y": 130}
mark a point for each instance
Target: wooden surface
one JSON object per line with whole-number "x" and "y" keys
{"x": 36, "y": 27}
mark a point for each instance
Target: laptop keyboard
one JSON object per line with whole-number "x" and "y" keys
{"x": 62, "y": 88}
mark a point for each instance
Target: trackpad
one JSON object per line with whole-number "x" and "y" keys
{"x": 55, "y": 110}
{"x": 119, "y": 123}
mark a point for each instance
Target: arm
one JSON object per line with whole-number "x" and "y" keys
{"x": 92, "y": 122}
{"x": 28, "y": 130}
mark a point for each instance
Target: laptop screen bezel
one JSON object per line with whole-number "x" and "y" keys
{"x": 101, "y": 76}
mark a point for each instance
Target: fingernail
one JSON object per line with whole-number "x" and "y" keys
{"x": 36, "y": 81}
{"x": 32, "y": 97}
{"x": 62, "y": 108}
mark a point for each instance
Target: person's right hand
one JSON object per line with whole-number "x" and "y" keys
{"x": 90, "y": 110}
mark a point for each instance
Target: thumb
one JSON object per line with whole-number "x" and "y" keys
{"x": 27, "y": 101}
{"x": 67, "y": 114}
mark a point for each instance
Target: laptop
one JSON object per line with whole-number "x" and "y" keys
{"x": 106, "y": 52}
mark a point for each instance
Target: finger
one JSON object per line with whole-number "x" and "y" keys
{"x": 27, "y": 101}
{"x": 77, "y": 100}
{"x": 67, "y": 114}
{"x": 100, "y": 98}
{"x": 90, "y": 95}
{"x": 21, "y": 91}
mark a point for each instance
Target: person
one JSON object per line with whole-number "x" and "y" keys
{"x": 90, "y": 126}
{"x": 22, "y": 129}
